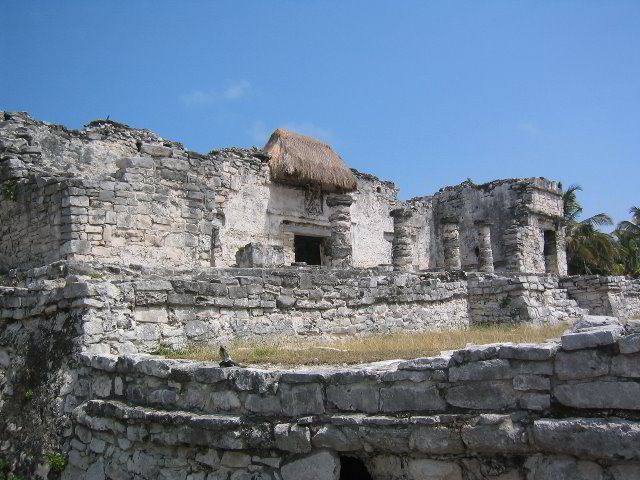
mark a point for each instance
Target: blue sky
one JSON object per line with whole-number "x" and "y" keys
{"x": 424, "y": 93}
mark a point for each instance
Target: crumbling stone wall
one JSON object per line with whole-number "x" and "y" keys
{"x": 134, "y": 313}
{"x": 518, "y": 211}
{"x": 35, "y": 222}
{"x": 40, "y": 328}
{"x": 520, "y": 299}
{"x": 138, "y": 198}
{"x": 617, "y": 296}
{"x": 551, "y": 410}
{"x": 372, "y": 225}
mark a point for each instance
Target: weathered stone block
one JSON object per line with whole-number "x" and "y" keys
{"x": 411, "y": 397}
{"x": 629, "y": 343}
{"x": 235, "y": 459}
{"x": 424, "y": 469}
{"x": 317, "y": 466}
{"x": 482, "y": 370}
{"x": 525, "y": 351}
{"x": 591, "y": 338}
{"x": 588, "y": 437}
{"x": 582, "y": 364}
{"x": 626, "y": 365}
{"x": 155, "y": 150}
{"x": 499, "y": 435}
{"x": 292, "y": 438}
{"x": 562, "y": 468}
{"x": 255, "y": 255}
{"x": 484, "y": 395}
{"x": 303, "y": 399}
{"x": 354, "y": 397}
{"x": 531, "y": 382}
{"x": 599, "y": 394}
{"x": 341, "y": 439}
{"x": 151, "y": 315}
{"x": 436, "y": 440}
{"x": 426, "y": 363}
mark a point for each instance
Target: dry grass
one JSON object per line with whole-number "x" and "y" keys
{"x": 352, "y": 350}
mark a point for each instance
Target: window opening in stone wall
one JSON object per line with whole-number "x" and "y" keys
{"x": 307, "y": 249}
{"x": 550, "y": 252}
{"x": 353, "y": 469}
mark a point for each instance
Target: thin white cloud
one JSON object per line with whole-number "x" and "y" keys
{"x": 530, "y": 129}
{"x": 202, "y": 98}
{"x": 260, "y": 131}
{"x": 237, "y": 90}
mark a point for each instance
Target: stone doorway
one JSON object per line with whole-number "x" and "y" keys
{"x": 352, "y": 468}
{"x": 550, "y": 252}
{"x": 308, "y": 249}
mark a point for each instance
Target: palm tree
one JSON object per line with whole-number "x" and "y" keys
{"x": 589, "y": 251}
{"x": 628, "y": 235}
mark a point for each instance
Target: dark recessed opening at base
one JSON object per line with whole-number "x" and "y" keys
{"x": 307, "y": 249}
{"x": 353, "y": 469}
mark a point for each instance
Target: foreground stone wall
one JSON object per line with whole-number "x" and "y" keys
{"x": 121, "y": 414}
{"x": 556, "y": 410}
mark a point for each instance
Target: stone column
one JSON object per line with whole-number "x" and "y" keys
{"x": 485, "y": 254}
{"x": 401, "y": 247}
{"x": 340, "y": 248}
{"x": 451, "y": 243}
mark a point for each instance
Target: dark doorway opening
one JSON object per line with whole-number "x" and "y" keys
{"x": 307, "y": 249}
{"x": 550, "y": 252}
{"x": 353, "y": 469}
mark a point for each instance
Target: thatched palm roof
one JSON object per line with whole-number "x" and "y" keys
{"x": 299, "y": 160}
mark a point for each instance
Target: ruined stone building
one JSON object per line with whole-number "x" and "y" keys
{"x": 125, "y": 196}
{"x": 116, "y": 244}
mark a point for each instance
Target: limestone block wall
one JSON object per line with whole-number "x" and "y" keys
{"x": 372, "y": 227}
{"x": 145, "y": 314}
{"x": 35, "y": 222}
{"x": 40, "y": 328}
{"x": 563, "y": 409}
{"x": 423, "y": 233}
{"x": 520, "y": 298}
{"x": 518, "y": 211}
{"x": 618, "y": 296}
{"x": 258, "y": 210}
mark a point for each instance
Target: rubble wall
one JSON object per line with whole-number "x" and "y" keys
{"x": 372, "y": 226}
{"x": 137, "y": 198}
{"x": 40, "y": 330}
{"x": 35, "y": 222}
{"x": 615, "y": 295}
{"x": 144, "y": 314}
{"x": 519, "y": 298}
{"x": 529, "y": 412}
{"x": 514, "y": 208}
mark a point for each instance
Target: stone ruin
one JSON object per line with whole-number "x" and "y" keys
{"x": 115, "y": 243}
